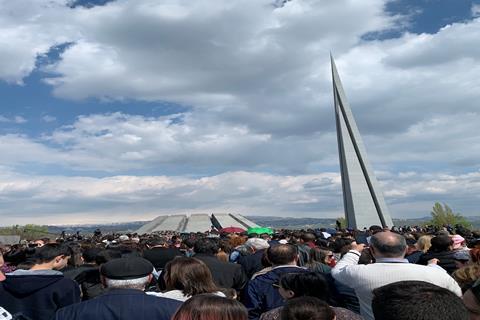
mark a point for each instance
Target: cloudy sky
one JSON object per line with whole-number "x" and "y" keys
{"x": 124, "y": 110}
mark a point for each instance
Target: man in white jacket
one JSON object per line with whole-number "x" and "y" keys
{"x": 389, "y": 250}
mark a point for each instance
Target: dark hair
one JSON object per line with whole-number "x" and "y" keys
{"x": 211, "y": 307}
{"x": 206, "y": 246}
{"x": 156, "y": 241}
{"x": 401, "y": 300}
{"x": 341, "y": 245}
{"x": 189, "y": 275}
{"x": 281, "y": 254}
{"x": 106, "y": 255}
{"x": 411, "y": 242}
{"x": 306, "y": 308}
{"x": 317, "y": 254}
{"x": 76, "y": 257}
{"x": 375, "y": 229}
{"x": 50, "y": 251}
{"x": 440, "y": 243}
{"x": 311, "y": 284}
{"x": 308, "y": 237}
{"x": 189, "y": 243}
{"x": 389, "y": 248}
{"x": 89, "y": 254}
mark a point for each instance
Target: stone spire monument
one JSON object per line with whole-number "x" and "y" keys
{"x": 362, "y": 198}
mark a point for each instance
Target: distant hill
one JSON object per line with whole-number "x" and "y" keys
{"x": 105, "y": 228}
{"x": 303, "y": 223}
{"x": 266, "y": 221}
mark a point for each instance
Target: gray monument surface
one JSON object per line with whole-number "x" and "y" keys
{"x": 197, "y": 222}
{"x": 362, "y": 197}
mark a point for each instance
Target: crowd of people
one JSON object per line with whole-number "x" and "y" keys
{"x": 384, "y": 274}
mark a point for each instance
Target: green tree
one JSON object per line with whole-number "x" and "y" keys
{"x": 343, "y": 222}
{"x": 29, "y": 231}
{"x": 444, "y": 215}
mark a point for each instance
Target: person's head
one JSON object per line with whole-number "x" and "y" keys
{"x": 282, "y": 254}
{"x": 126, "y": 273}
{"x": 157, "y": 242}
{"x": 107, "y": 255}
{"x": 206, "y": 246}
{"x": 467, "y": 275}
{"x": 40, "y": 242}
{"x": 388, "y": 245}
{"x": 308, "y": 237}
{"x": 211, "y": 307}
{"x": 2, "y": 276}
{"x": 320, "y": 255}
{"x": 89, "y": 254}
{"x": 307, "y": 308}
{"x": 441, "y": 243}
{"x": 475, "y": 255}
{"x": 411, "y": 245}
{"x": 236, "y": 241}
{"x": 457, "y": 241}
{"x": 257, "y": 244}
{"x": 294, "y": 285}
{"x": 189, "y": 275}
{"x": 342, "y": 245}
{"x": 424, "y": 243}
{"x": 461, "y": 257}
{"x": 407, "y": 300}
{"x": 375, "y": 229}
{"x": 471, "y": 300}
{"x": 265, "y": 236}
{"x": 52, "y": 255}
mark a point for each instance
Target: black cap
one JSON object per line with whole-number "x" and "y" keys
{"x": 126, "y": 268}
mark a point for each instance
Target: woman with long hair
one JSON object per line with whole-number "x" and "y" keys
{"x": 319, "y": 260}
{"x": 424, "y": 243}
{"x": 185, "y": 278}
{"x": 211, "y": 307}
{"x": 467, "y": 275}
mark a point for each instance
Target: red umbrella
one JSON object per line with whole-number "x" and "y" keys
{"x": 232, "y": 230}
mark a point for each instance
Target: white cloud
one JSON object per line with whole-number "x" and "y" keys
{"x": 19, "y": 120}
{"x": 15, "y": 119}
{"x": 119, "y": 142}
{"x": 60, "y": 199}
{"x": 28, "y": 30}
{"x": 257, "y": 83}
{"x": 49, "y": 118}
{"x": 475, "y": 10}
{"x": 273, "y": 75}
{"x": 57, "y": 199}
{"x": 244, "y": 61}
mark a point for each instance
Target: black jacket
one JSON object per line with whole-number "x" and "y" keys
{"x": 160, "y": 256}
{"x": 121, "y": 304}
{"x": 414, "y": 257}
{"x": 225, "y": 274}
{"x": 446, "y": 259}
{"x": 251, "y": 263}
{"x": 37, "y": 296}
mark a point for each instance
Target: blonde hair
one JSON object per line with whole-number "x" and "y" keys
{"x": 467, "y": 275}
{"x": 424, "y": 243}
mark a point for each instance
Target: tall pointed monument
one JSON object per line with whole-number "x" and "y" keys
{"x": 362, "y": 198}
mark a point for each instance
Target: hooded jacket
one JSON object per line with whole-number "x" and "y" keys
{"x": 261, "y": 294}
{"x": 37, "y": 294}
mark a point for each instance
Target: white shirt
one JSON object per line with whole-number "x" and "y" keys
{"x": 364, "y": 278}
